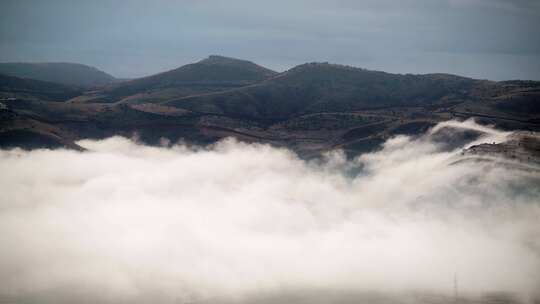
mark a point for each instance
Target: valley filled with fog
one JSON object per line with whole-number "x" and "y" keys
{"x": 124, "y": 222}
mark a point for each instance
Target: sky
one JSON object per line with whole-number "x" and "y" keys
{"x": 487, "y": 39}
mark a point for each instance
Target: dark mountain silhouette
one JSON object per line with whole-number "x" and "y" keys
{"x": 22, "y": 88}
{"x": 320, "y": 87}
{"x": 311, "y": 108}
{"x": 64, "y": 73}
{"x": 215, "y": 73}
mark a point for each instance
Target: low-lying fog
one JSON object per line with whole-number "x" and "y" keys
{"x": 128, "y": 223}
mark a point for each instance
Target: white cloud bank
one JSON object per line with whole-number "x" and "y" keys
{"x": 130, "y": 223}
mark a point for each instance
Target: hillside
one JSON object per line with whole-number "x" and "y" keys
{"x": 22, "y": 88}
{"x": 311, "y": 108}
{"x": 213, "y": 74}
{"x": 64, "y": 73}
{"x": 321, "y": 87}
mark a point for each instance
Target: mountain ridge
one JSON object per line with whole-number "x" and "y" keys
{"x": 67, "y": 73}
{"x": 314, "y": 87}
{"x": 16, "y": 87}
{"x": 311, "y": 108}
{"x": 211, "y": 74}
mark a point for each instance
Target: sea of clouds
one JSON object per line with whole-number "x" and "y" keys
{"x": 123, "y": 223}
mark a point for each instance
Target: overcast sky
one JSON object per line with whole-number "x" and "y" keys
{"x": 493, "y": 39}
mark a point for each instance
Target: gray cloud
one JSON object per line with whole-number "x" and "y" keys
{"x": 130, "y": 223}
{"x": 136, "y": 38}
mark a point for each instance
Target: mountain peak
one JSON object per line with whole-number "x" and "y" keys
{"x": 324, "y": 65}
{"x": 222, "y": 60}
{"x": 212, "y": 74}
{"x": 239, "y": 65}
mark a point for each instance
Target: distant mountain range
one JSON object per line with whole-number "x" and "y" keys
{"x": 310, "y": 108}
{"x": 213, "y": 74}
{"x": 24, "y": 88}
{"x": 322, "y": 87}
{"x": 64, "y": 73}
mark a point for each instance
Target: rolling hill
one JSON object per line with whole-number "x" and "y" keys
{"x": 73, "y": 74}
{"x": 321, "y": 87}
{"x": 311, "y": 108}
{"x": 23, "y": 88}
{"x": 213, "y": 74}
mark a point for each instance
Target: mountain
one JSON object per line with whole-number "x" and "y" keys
{"x": 213, "y": 74}
{"x": 521, "y": 146}
{"x": 311, "y": 108}
{"x": 320, "y": 87}
{"x": 64, "y": 73}
{"x": 22, "y": 88}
